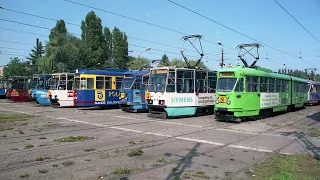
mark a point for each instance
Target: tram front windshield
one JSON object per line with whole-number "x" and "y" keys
{"x": 128, "y": 83}
{"x": 157, "y": 82}
{"x": 33, "y": 84}
{"x": 226, "y": 84}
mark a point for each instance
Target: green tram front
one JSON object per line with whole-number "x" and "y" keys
{"x": 174, "y": 92}
{"x": 256, "y": 92}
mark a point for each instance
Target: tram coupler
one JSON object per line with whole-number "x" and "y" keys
{"x": 160, "y": 115}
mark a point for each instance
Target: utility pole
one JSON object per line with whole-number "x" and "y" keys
{"x": 222, "y": 60}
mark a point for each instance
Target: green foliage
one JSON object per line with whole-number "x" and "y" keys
{"x": 164, "y": 61}
{"x": 137, "y": 63}
{"x": 120, "y": 48}
{"x": 123, "y": 170}
{"x": 300, "y": 74}
{"x": 135, "y": 152}
{"x": 72, "y": 139}
{"x": 180, "y": 63}
{"x": 36, "y": 53}
{"x": 17, "y": 67}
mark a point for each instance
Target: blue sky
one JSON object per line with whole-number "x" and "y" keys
{"x": 262, "y": 20}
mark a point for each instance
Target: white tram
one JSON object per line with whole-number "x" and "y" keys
{"x": 61, "y": 89}
{"x": 174, "y": 92}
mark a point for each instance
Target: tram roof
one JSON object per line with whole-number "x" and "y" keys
{"x": 19, "y": 77}
{"x": 174, "y": 67}
{"x": 260, "y": 72}
{"x": 314, "y": 82}
{"x": 140, "y": 72}
{"x": 108, "y": 71}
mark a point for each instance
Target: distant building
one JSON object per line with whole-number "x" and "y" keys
{"x": 1, "y": 70}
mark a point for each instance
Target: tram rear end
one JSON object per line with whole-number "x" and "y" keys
{"x": 61, "y": 90}
{"x": 19, "y": 91}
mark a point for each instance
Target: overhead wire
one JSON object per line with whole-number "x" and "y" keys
{"x": 238, "y": 32}
{"x": 297, "y": 21}
{"x": 13, "y": 30}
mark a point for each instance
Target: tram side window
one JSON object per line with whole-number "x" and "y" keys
{"x": 239, "y": 86}
{"x": 278, "y": 85}
{"x": 108, "y": 83}
{"x": 212, "y": 82}
{"x": 171, "y": 82}
{"x": 284, "y": 86}
{"x": 264, "y": 87}
{"x": 145, "y": 80}
{"x": 76, "y": 83}
{"x": 90, "y": 83}
{"x": 99, "y": 82}
{"x": 21, "y": 84}
{"x": 118, "y": 82}
{"x": 201, "y": 78}
{"x": 272, "y": 84}
{"x": 70, "y": 82}
{"x": 185, "y": 82}
{"x": 252, "y": 84}
{"x": 83, "y": 83}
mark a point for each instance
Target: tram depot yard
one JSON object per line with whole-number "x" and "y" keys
{"x": 39, "y": 142}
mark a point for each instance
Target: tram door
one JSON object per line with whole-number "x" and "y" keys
{"x": 100, "y": 90}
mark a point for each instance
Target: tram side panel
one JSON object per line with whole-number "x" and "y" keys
{"x": 96, "y": 97}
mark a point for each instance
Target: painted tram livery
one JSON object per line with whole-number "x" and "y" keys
{"x": 97, "y": 87}
{"x": 39, "y": 88}
{"x": 61, "y": 89}
{"x": 18, "y": 89}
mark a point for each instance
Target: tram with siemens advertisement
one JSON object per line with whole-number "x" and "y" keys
{"x": 313, "y": 92}
{"x": 97, "y": 87}
{"x": 18, "y": 89}
{"x": 252, "y": 92}
{"x": 133, "y": 91}
{"x": 174, "y": 92}
{"x": 4, "y": 84}
{"x": 61, "y": 89}
{"x": 39, "y": 89}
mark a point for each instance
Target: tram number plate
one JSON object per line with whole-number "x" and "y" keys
{"x": 222, "y": 99}
{"x": 122, "y": 95}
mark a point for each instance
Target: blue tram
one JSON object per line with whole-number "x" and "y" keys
{"x": 97, "y": 87}
{"x": 39, "y": 88}
{"x": 314, "y": 92}
{"x": 133, "y": 91}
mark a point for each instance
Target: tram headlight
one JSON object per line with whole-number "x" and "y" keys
{"x": 217, "y": 102}
{"x": 228, "y": 102}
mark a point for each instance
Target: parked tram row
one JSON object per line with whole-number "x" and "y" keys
{"x": 231, "y": 93}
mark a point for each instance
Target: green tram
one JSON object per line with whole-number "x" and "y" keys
{"x": 255, "y": 92}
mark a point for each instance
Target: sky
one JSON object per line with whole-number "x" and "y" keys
{"x": 262, "y": 20}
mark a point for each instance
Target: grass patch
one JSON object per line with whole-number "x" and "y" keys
{"x": 15, "y": 149}
{"x": 37, "y": 129}
{"x": 314, "y": 132}
{"x": 174, "y": 169}
{"x": 53, "y": 125}
{"x": 200, "y": 174}
{"x": 135, "y": 152}
{"x": 132, "y": 142}
{"x": 42, "y": 171}
{"x": 162, "y": 160}
{"x": 41, "y": 158}
{"x": 227, "y": 173}
{"x": 5, "y": 128}
{"x": 55, "y": 165}
{"x": 72, "y": 139}
{"x": 123, "y": 170}
{"x": 274, "y": 125}
{"x": 43, "y": 144}
{"x": 90, "y": 149}
{"x": 42, "y": 138}
{"x": 293, "y": 167}
{"x": 68, "y": 163}
{"x": 24, "y": 175}
{"x": 13, "y": 117}
{"x": 155, "y": 164}
{"x": 28, "y": 146}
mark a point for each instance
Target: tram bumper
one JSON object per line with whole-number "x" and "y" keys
{"x": 225, "y": 114}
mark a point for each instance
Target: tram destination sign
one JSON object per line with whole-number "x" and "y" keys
{"x": 227, "y": 74}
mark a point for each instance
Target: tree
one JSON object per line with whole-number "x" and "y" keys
{"x": 137, "y": 63}
{"x": 16, "y": 67}
{"x": 58, "y": 33}
{"x": 108, "y": 47}
{"x": 180, "y": 63}
{"x": 36, "y": 52}
{"x": 93, "y": 41}
{"x": 119, "y": 48}
{"x": 164, "y": 61}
